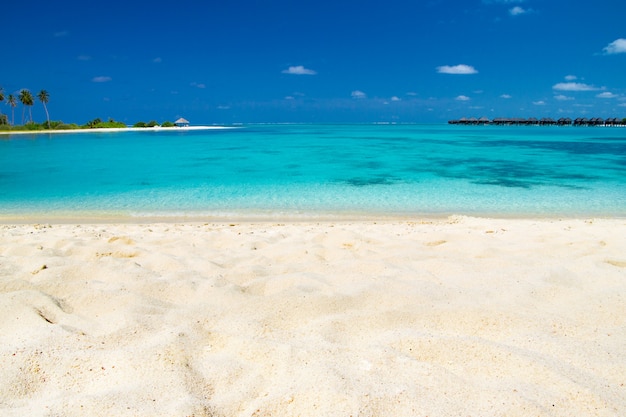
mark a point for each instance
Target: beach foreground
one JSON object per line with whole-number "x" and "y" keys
{"x": 452, "y": 317}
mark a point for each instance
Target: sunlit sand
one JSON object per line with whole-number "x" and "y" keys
{"x": 433, "y": 317}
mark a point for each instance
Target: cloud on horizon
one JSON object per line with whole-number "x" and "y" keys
{"x": 456, "y": 69}
{"x": 606, "y": 94}
{"x": 618, "y": 46}
{"x": 299, "y": 70}
{"x": 562, "y": 97}
{"x": 574, "y": 87}
{"x": 462, "y": 98}
{"x": 502, "y": 1}
{"x": 506, "y": 96}
{"x": 516, "y": 11}
{"x": 358, "y": 94}
{"x": 101, "y": 79}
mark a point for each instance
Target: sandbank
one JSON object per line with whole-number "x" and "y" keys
{"x": 112, "y": 129}
{"x": 459, "y": 316}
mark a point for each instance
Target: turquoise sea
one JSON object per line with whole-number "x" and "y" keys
{"x": 316, "y": 171}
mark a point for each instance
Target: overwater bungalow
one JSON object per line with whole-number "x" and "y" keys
{"x": 547, "y": 121}
{"x": 544, "y": 121}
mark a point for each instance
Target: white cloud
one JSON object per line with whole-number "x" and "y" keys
{"x": 516, "y": 11}
{"x": 197, "y": 85}
{"x": 462, "y": 98}
{"x": 456, "y": 69}
{"x": 606, "y": 94}
{"x": 503, "y": 1}
{"x": 395, "y": 98}
{"x": 574, "y": 87}
{"x": 539, "y": 103}
{"x": 506, "y": 96}
{"x": 101, "y": 79}
{"x": 299, "y": 70}
{"x": 358, "y": 94}
{"x": 618, "y": 46}
{"x": 571, "y": 77}
{"x": 562, "y": 97}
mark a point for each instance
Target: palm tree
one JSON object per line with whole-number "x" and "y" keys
{"x": 13, "y": 103}
{"x": 1, "y": 100}
{"x": 27, "y": 100}
{"x": 44, "y": 97}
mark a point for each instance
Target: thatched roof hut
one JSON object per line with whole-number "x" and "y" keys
{"x": 182, "y": 122}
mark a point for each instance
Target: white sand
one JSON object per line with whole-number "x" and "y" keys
{"x": 457, "y": 317}
{"x": 110, "y": 129}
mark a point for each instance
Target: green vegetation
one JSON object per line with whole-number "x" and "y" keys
{"x": 99, "y": 124}
{"x": 154, "y": 123}
{"x": 96, "y": 123}
{"x": 54, "y": 125}
{"x": 25, "y": 97}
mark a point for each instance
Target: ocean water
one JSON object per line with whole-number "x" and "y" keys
{"x": 317, "y": 170}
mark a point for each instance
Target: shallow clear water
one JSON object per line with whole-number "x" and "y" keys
{"x": 318, "y": 170}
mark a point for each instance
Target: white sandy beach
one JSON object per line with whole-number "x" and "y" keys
{"x": 110, "y": 130}
{"x": 452, "y": 317}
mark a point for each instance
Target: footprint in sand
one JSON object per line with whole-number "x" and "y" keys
{"x": 619, "y": 264}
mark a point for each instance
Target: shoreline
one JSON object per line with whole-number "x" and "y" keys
{"x": 115, "y": 130}
{"x": 292, "y": 218}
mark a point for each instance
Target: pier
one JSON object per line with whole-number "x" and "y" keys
{"x": 546, "y": 121}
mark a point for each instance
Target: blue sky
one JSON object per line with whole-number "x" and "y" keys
{"x": 233, "y": 61}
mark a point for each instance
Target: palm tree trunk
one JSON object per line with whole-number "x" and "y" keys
{"x": 47, "y": 115}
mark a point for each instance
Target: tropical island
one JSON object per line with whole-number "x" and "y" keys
{"x": 27, "y": 99}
